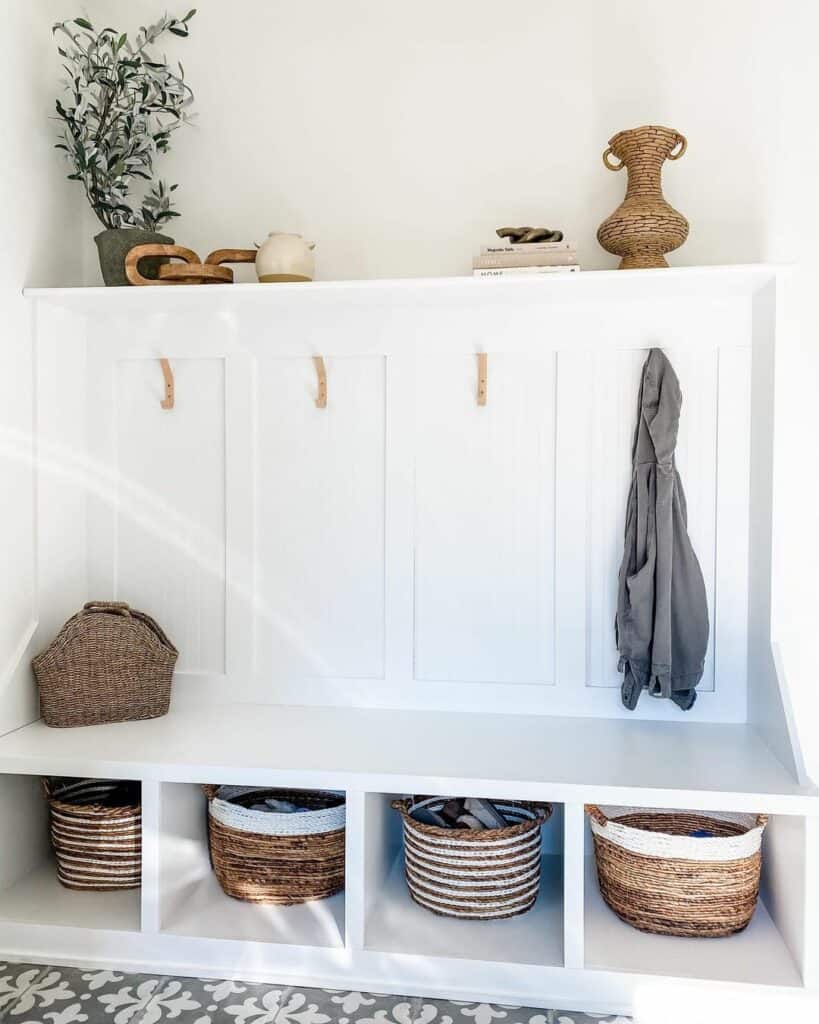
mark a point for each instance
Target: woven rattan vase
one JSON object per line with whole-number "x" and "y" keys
{"x": 267, "y": 857}
{"x": 96, "y": 833}
{"x": 644, "y": 227}
{"x": 690, "y": 873}
{"x": 481, "y": 876}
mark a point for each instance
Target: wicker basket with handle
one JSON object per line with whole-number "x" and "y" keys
{"x": 690, "y": 873}
{"x": 96, "y": 833}
{"x": 109, "y": 663}
{"x": 482, "y": 875}
{"x": 279, "y": 858}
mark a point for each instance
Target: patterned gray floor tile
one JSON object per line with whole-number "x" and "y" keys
{"x": 15, "y": 981}
{"x": 445, "y": 1011}
{"x": 369, "y": 1008}
{"x": 70, "y": 995}
{"x": 31, "y": 994}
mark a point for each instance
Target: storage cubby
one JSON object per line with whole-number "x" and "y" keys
{"x": 768, "y": 951}
{"x": 394, "y": 923}
{"x": 192, "y": 903}
{"x": 30, "y": 893}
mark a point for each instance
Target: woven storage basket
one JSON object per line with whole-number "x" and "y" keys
{"x": 267, "y": 857}
{"x": 96, "y": 833}
{"x": 658, "y": 877}
{"x": 486, "y": 875}
{"x": 109, "y": 663}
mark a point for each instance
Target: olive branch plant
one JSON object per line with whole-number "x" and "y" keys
{"x": 123, "y": 104}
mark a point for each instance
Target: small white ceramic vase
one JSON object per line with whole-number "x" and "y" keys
{"x": 284, "y": 257}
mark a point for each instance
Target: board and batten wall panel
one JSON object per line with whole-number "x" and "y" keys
{"x": 484, "y": 520}
{"x": 169, "y": 555}
{"x": 320, "y": 519}
{"x": 613, "y": 410}
{"x": 713, "y": 439}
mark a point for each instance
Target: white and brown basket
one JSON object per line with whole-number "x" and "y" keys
{"x": 660, "y": 876}
{"x": 486, "y": 875}
{"x": 96, "y": 833}
{"x": 270, "y": 857}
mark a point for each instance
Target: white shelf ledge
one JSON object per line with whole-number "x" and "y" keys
{"x": 39, "y": 899}
{"x": 757, "y": 955}
{"x": 197, "y": 907}
{"x": 718, "y": 281}
{"x": 398, "y": 925}
{"x": 561, "y": 759}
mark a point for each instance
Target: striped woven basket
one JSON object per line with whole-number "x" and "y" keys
{"x": 691, "y": 873}
{"x": 267, "y": 857}
{"x": 96, "y": 833}
{"x": 483, "y": 875}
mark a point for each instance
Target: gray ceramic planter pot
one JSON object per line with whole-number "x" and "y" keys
{"x": 114, "y": 244}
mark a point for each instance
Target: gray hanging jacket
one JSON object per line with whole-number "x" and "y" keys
{"x": 662, "y": 611}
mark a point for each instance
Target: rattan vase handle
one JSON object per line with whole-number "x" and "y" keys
{"x": 594, "y": 811}
{"x": 112, "y": 607}
{"x": 682, "y": 142}
{"x": 612, "y": 167}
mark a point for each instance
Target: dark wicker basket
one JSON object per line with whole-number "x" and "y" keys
{"x": 96, "y": 833}
{"x": 285, "y": 859}
{"x": 109, "y": 663}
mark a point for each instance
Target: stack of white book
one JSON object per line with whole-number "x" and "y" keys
{"x": 522, "y": 259}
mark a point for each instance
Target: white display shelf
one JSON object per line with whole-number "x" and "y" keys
{"x": 758, "y": 955}
{"x": 717, "y": 281}
{"x": 196, "y": 906}
{"x": 39, "y": 899}
{"x": 610, "y": 760}
{"x": 396, "y": 924}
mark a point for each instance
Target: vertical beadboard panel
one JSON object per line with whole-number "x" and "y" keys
{"x": 320, "y": 519}
{"x": 170, "y": 525}
{"x": 573, "y": 446}
{"x": 730, "y": 619}
{"x": 484, "y": 508}
{"x": 615, "y": 383}
{"x": 697, "y": 465}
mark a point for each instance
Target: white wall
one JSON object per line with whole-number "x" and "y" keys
{"x": 398, "y": 136}
{"x": 41, "y": 245}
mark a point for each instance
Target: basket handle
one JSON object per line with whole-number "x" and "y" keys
{"x": 111, "y": 607}
{"x": 761, "y": 820}
{"x": 682, "y": 142}
{"x": 210, "y": 791}
{"x": 400, "y": 806}
{"x": 611, "y": 166}
{"x": 594, "y": 811}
